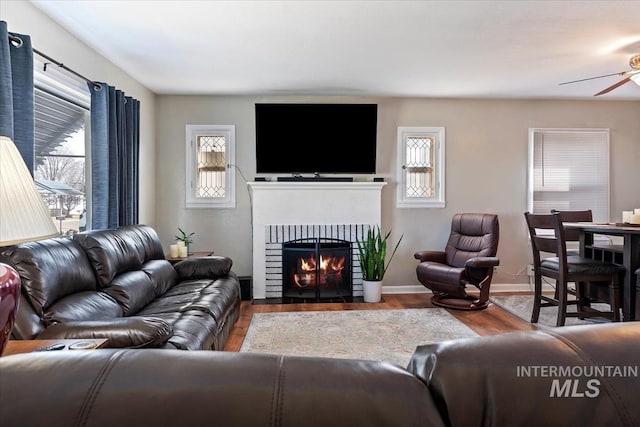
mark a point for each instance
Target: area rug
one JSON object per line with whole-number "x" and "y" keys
{"x": 383, "y": 335}
{"x": 522, "y": 307}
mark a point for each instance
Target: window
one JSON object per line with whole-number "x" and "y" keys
{"x": 569, "y": 170}
{"x": 210, "y": 159}
{"x": 62, "y": 119}
{"x": 420, "y": 167}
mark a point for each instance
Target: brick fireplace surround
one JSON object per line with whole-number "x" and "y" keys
{"x": 285, "y": 211}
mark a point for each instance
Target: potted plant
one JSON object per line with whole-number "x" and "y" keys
{"x": 372, "y": 255}
{"x": 187, "y": 239}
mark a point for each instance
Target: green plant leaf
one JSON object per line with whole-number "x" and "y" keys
{"x": 372, "y": 252}
{"x": 186, "y": 238}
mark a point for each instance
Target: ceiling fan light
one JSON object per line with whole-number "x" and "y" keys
{"x": 636, "y": 78}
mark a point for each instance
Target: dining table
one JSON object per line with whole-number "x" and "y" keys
{"x": 626, "y": 254}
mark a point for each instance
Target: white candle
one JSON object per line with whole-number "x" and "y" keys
{"x": 173, "y": 251}
{"x": 183, "y": 251}
{"x": 636, "y": 211}
{"x": 626, "y": 216}
{"x": 180, "y": 243}
{"x": 635, "y": 219}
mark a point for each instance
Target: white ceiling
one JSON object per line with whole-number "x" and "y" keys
{"x": 472, "y": 49}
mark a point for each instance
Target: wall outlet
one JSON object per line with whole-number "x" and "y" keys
{"x": 530, "y": 270}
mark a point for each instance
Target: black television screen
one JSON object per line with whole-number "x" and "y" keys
{"x": 316, "y": 138}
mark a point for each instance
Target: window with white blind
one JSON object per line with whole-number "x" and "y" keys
{"x": 210, "y": 156}
{"x": 569, "y": 170}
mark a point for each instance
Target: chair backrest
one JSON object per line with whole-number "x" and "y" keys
{"x": 472, "y": 235}
{"x": 551, "y": 242}
{"x": 573, "y": 216}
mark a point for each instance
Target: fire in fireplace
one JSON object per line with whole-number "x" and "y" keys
{"x": 316, "y": 269}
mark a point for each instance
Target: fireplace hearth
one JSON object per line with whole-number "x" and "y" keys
{"x": 317, "y": 269}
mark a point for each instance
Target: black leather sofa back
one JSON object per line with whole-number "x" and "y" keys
{"x": 58, "y": 285}
{"x": 124, "y": 261}
{"x": 120, "y": 250}
{"x": 174, "y": 388}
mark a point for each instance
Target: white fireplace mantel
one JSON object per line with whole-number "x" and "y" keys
{"x": 301, "y": 203}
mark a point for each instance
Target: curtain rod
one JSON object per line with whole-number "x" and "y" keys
{"x": 18, "y": 41}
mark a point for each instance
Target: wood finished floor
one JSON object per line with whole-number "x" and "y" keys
{"x": 491, "y": 321}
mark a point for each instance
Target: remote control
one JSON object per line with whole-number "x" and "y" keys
{"x": 52, "y": 347}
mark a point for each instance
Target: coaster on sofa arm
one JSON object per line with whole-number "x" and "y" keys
{"x": 83, "y": 345}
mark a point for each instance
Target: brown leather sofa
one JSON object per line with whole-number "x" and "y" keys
{"x": 116, "y": 284}
{"x": 503, "y": 380}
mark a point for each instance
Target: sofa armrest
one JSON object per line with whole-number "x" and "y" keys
{"x": 482, "y": 262}
{"x": 473, "y": 380}
{"x": 123, "y": 332}
{"x": 433, "y": 256}
{"x": 203, "y": 268}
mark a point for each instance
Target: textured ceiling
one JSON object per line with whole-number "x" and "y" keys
{"x": 462, "y": 49}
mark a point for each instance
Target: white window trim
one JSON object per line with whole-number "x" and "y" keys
{"x": 193, "y": 131}
{"x": 437, "y": 201}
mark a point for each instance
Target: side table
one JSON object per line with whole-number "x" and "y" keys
{"x": 195, "y": 254}
{"x": 27, "y": 346}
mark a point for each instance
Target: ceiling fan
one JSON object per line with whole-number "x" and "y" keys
{"x": 632, "y": 74}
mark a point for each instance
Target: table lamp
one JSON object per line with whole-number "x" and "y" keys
{"x": 24, "y": 217}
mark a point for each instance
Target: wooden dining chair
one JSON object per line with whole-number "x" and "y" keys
{"x": 590, "y": 276}
{"x": 573, "y": 235}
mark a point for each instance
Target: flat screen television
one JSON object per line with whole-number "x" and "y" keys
{"x": 316, "y": 138}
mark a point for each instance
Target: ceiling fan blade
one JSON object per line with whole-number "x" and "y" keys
{"x": 612, "y": 87}
{"x": 622, "y": 73}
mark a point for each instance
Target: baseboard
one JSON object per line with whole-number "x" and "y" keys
{"x": 495, "y": 287}
{"x": 404, "y": 289}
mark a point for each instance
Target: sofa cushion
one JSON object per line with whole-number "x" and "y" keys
{"x": 135, "y": 289}
{"x": 119, "y": 250}
{"x": 126, "y": 332}
{"x": 88, "y": 305}
{"x": 194, "y": 330}
{"x": 215, "y": 297}
{"x": 219, "y": 298}
{"x": 168, "y": 304}
{"x": 132, "y": 291}
{"x": 50, "y": 269}
{"x": 203, "y": 268}
{"x": 162, "y": 273}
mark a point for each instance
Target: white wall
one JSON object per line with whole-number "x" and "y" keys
{"x": 51, "y": 39}
{"x": 486, "y": 160}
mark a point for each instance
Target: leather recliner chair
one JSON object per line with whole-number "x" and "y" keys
{"x": 468, "y": 259}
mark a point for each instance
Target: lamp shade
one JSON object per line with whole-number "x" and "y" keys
{"x": 636, "y": 78}
{"x": 24, "y": 216}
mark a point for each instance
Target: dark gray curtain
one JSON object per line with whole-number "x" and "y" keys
{"x": 16, "y": 92}
{"x": 115, "y": 142}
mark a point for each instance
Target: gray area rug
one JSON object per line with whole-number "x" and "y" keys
{"x": 522, "y": 306}
{"x": 383, "y": 335}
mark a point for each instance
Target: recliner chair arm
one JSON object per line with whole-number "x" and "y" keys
{"x": 433, "y": 256}
{"x": 482, "y": 262}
